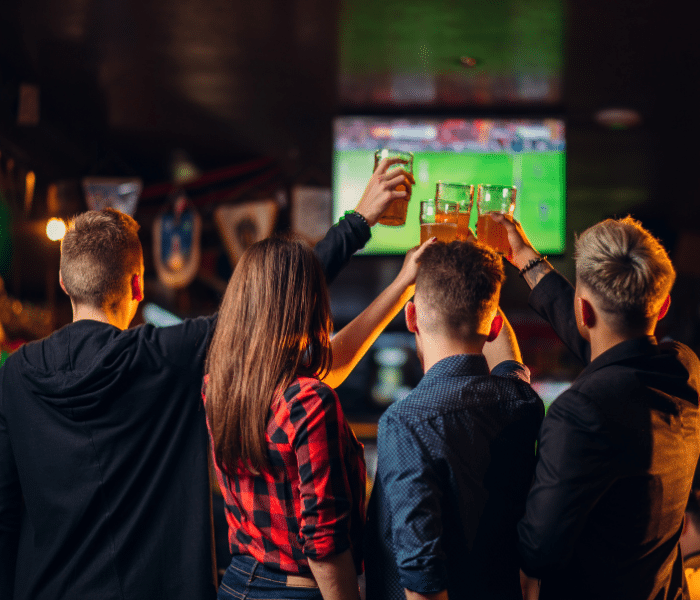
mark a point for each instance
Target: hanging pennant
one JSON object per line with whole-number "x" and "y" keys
{"x": 177, "y": 245}
{"x": 120, "y": 193}
{"x": 241, "y": 225}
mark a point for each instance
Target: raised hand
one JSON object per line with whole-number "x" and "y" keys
{"x": 522, "y": 251}
{"x": 381, "y": 190}
{"x": 409, "y": 269}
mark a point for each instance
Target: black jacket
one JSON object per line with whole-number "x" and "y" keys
{"x": 104, "y": 489}
{"x": 617, "y": 453}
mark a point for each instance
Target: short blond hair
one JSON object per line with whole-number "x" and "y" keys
{"x": 99, "y": 253}
{"x": 627, "y": 269}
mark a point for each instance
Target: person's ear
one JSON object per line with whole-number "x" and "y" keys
{"x": 136, "y": 287}
{"x": 496, "y": 326}
{"x": 587, "y": 312}
{"x": 411, "y": 317}
{"x": 664, "y": 307}
{"x": 60, "y": 281}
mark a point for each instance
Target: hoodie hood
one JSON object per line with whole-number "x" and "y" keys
{"x": 78, "y": 368}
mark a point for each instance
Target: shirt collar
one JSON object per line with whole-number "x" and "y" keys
{"x": 458, "y": 365}
{"x": 643, "y": 346}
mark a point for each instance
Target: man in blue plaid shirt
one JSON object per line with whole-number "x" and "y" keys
{"x": 456, "y": 456}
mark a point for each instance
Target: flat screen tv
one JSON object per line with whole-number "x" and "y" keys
{"x": 529, "y": 153}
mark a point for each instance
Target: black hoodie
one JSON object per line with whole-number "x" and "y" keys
{"x": 101, "y": 519}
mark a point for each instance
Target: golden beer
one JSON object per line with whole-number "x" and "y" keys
{"x": 444, "y": 232}
{"x": 492, "y": 234}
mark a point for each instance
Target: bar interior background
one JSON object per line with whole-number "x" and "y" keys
{"x": 247, "y": 91}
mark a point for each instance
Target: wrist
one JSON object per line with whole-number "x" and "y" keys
{"x": 367, "y": 221}
{"x": 523, "y": 257}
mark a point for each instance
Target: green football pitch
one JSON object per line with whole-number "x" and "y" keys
{"x": 539, "y": 177}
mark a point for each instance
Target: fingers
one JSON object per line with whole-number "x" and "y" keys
{"x": 506, "y": 220}
{"x": 395, "y": 178}
{"x": 418, "y": 250}
{"x": 385, "y": 163}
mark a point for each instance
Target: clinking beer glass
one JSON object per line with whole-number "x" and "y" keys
{"x": 438, "y": 218}
{"x": 463, "y": 195}
{"x": 494, "y": 199}
{"x": 395, "y": 214}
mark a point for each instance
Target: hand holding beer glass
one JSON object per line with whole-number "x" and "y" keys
{"x": 399, "y": 174}
{"x": 494, "y": 199}
{"x": 463, "y": 195}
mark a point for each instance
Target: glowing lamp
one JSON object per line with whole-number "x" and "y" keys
{"x": 55, "y": 229}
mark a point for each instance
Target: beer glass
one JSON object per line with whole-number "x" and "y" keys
{"x": 463, "y": 195}
{"x": 438, "y": 218}
{"x": 494, "y": 199}
{"x": 395, "y": 214}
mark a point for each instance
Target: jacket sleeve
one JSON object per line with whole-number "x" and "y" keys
{"x": 10, "y": 508}
{"x": 345, "y": 238}
{"x": 574, "y": 469}
{"x": 553, "y": 299}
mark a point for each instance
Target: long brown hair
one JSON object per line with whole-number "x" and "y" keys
{"x": 274, "y": 323}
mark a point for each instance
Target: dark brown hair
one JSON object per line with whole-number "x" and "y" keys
{"x": 99, "y": 254}
{"x": 274, "y": 323}
{"x": 459, "y": 286}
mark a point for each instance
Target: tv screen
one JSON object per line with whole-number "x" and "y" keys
{"x": 527, "y": 153}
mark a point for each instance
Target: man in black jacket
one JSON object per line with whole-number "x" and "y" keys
{"x": 104, "y": 489}
{"x": 617, "y": 451}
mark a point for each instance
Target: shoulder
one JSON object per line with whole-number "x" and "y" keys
{"x": 413, "y": 407}
{"x": 308, "y": 388}
{"x": 308, "y": 396}
{"x": 575, "y": 409}
{"x": 682, "y": 353}
{"x": 183, "y": 344}
{"x": 192, "y": 330}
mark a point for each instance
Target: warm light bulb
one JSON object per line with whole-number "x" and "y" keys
{"x": 55, "y": 229}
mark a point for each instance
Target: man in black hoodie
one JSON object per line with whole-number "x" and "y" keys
{"x": 104, "y": 489}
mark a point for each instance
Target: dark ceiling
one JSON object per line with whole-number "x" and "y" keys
{"x": 123, "y": 83}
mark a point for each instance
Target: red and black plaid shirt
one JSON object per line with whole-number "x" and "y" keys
{"x": 311, "y": 501}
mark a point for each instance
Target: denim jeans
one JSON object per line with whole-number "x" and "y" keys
{"x": 246, "y": 578}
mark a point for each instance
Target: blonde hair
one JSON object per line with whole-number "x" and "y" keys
{"x": 99, "y": 253}
{"x": 626, "y": 268}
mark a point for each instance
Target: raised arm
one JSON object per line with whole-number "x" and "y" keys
{"x": 352, "y": 232}
{"x": 352, "y": 342}
{"x": 554, "y": 299}
{"x": 523, "y": 255}
{"x": 504, "y": 347}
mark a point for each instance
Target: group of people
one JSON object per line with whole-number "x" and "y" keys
{"x": 107, "y": 433}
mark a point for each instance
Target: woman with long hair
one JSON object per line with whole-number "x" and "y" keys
{"x": 291, "y": 471}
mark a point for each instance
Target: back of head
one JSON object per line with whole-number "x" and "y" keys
{"x": 458, "y": 288}
{"x": 274, "y": 323}
{"x": 99, "y": 253}
{"x": 627, "y": 270}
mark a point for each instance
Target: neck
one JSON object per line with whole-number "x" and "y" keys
{"x": 118, "y": 318}
{"x": 435, "y": 348}
{"x": 603, "y": 338}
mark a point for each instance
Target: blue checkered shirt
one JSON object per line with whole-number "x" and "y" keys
{"x": 455, "y": 462}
